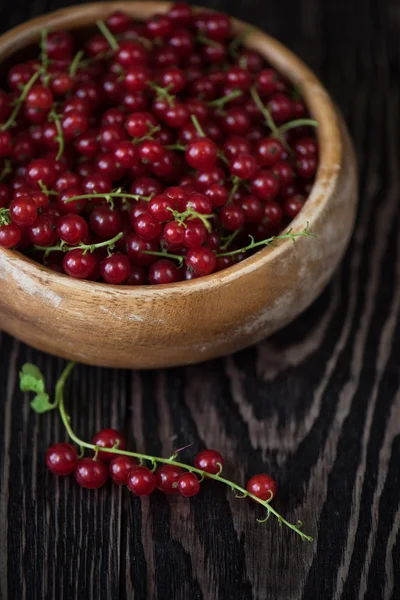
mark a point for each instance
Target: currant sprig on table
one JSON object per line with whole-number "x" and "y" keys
{"x": 141, "y": 473}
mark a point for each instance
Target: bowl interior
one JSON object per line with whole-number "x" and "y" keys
{"x": 21, "y": 44}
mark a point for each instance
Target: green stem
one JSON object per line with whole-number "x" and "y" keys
{"x": 269, "y": 241}
{"x": 205, "y": 40}
{"x": 110, "y": 195}
{"x": 148, "y": 136}
{"x": 4, "y": 216}
{"x": 176, "y": 147}
{"x": 44, "y": 59}
{"x": 53, "y": 116}
{"x": 177, "y": 257}
{"x": 85, "y": 247}
{"x": 11, "y": 119}
{"x": 192, "y": 214}
{"x": 108, "y": 35}
{"x": 59, "y": 402}
{"x": 76, "y": 62}
{"x": 220, "y": 102}
{"x": 162, "y": 92}
{"x": 298, "y": 123}
{"x": 222, "y": 157}
{"x": 230, "y": 239}
{"x": 235, "y": 187}
{"x": 197, "y": 125}
{"x": 267, "y": 115}
{"x": 238, "y": 41}
{"x": 7, "y": 169}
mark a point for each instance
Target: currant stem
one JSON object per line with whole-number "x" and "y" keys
{"x": 268, "y": 241}
{"x": 239, "y": 39}
{"x": 298, "y": 123}
{"x": 110, "y": 195}
{"x": 177, "y": 257}
{"x": 162, "y": 92}
{"x": 4, "y": 216}
{"x": 229, "y": 239}
{"x": 85, "y": 247}
{"x": 108, "y": 35}
{"x": 197, "y": 125}
{"x": 59, "y": 402}
{"x": 53, "y": 116}
{"x": 205, "y": 40}
{"x": 266, "y": 113}
{"x": 148, "y": 136}
{"x": 220, "y": 102}
{"x": 76, "y": 63}
{"x": 7, "y": 169}
{"x": 44, "y": 59}
{"x": 11, "y": 119}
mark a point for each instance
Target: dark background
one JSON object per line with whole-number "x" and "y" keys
{"x": 317, "y": 405}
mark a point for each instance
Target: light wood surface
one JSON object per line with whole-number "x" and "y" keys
{"x": 148, "y": 327}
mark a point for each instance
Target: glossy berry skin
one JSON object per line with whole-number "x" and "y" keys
{"x": 244, "y": 166}
{"x": 79, "y": 265}
{"x": 188, "y": 485}
{"x": 262, "y": 486}
{"x": 147, "y": 227}
{"x": 105, "y": 222}
{"x": 39, "y": 97}
{"x": 167, "y": 479}
{"x": 108, "y": 438}
{"x": 91, "y": 474}
{"x": 270, "y": 151}
{"x": 232, "y": 217}
{"x": 264, "y": 185}
{"x": 10, "y": 235}
{"x": 115, "y": 269}
{"x": 202, "y": 261}
{"x": 72, "y": 229}
{"x": 40, "y": 170}
{"x": 210, "y": 461}
{"x": 120, "y": 467}
{"x": 201, "y": 154}
{"x": 293, "y": 205}
{"x": 141, "y": 481}
{"x": 23, "y": 211}
{"x": 162, "y": 272}
{"x": 61, "y": 459}
{"x": 42, "y": 231}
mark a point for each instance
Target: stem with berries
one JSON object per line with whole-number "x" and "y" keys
{"x": 31, "y": 379}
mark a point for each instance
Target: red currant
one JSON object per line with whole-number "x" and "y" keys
{"x": 61, "y": 459}
{"x": 141, "y": 481}
{"x": 91, "y": 474}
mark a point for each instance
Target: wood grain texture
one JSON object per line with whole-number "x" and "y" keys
{"x": 317, "y": 406}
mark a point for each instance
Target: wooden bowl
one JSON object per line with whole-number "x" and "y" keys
{"x": 183, "y": 323}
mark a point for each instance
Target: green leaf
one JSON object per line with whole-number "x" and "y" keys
{"x": 41, "y": 403}
{"x": 31, "y": 379}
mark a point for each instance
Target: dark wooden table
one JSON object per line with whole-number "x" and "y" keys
{"x": 317, "y": 406}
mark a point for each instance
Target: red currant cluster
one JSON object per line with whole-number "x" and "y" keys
{"x": 111, "y": 459}
{"x": 151, "y": 154}
{"x": 92, "y": 473}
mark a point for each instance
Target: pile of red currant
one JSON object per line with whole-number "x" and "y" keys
{"x": 93, "y": 472}
{"x": 151, "y": 153}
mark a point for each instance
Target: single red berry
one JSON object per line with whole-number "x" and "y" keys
{"x": 201, "y": 260}
{"x": 306, "y": 146}
{"x": 195, "y": 234}
{"x": 174, "y": 233}
{"x": 188, "y": 485}
{"x": 61, "y": 459}
{"x": 39, "y": 171}
{"x": 264, "y": 185}
{"x": 306, "y": 166}
{"x": 243, "y": 166}
{"x": 72, "y": 229}
{"x": 120, "y": 467}
{"x": 201, "y": 154}
{"x": 39, "y": 97}
{"x": 236, "y": 145}
{"x": 210, "y": 461}
{"x": 147, "y": 226}
{"x": 115, "y": 269}
{"x": 270, "y": 151}
{"x": 162, "y": 272}
{"x": 79, "y": 265}
{"x": 174, "y": 79}
{"x": 42, "y": 232}
{"x": 136, "y": 247}
{"x": 217, "y": 194}
{"x": 273, "y": 213}
{"x": 59, "y": 44}
{"x": 167, "y": 479}
{"x": 283, "y": 172}
{"x": 268, "y": 82}
{"x": 158, "y": 26}
{"x": 65, "y": 203}
{"x": 23, "y": 211}
{"x": 262, "y": 486}
{"x": 180, "y": 13}
{"x": 118, "y": 22}
{"x": 141, "y": 481}
{"x": 108, "y": 438}
{"x": 125, "y": 154}
{"x": 281, "y": 108}
{"x": 10, "y": 235}
{"x": 200, "y": 203}
{"x": 91, "y": 474}
{"x": 131, "y": 54}
{"x": 137, "y": 276}
{"x": 293, "y": 205}
{"x": 232, "y": 217}
{"x": 61, "y": 84}
{"x": 105, "y": 222}
{"x": 252, "y": 208}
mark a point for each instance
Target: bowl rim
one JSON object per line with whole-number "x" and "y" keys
{"x": 317, "y": 99}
